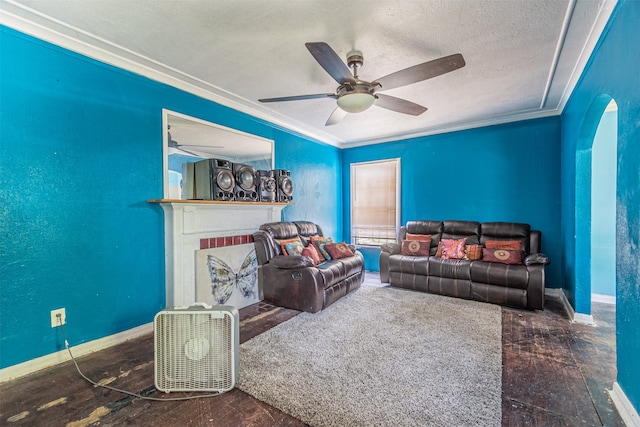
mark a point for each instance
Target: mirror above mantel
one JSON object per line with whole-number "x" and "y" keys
{"x": 189, "y": 139}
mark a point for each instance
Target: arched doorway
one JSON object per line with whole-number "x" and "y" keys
{"x": 596, "y": 170}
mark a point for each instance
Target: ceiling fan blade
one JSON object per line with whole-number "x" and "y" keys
{"x": 421, "y": 72}
{"x": 299, "y": 97}
{"x": 336, "y": 117}
{"x": 399, "y": 105}
{"x": 330, "y": 61}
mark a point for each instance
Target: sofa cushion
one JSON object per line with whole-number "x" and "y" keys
{"x": 419, "y": 237}
{"x": 453, "y": 249}
{"x": 509, "y": 275}
{"x": 320, "y": 242}
{"x": 295, "y": 244}
{"x": 338, "y": 250}
{"x": 415, "y": 247}
{"x": 503, "y": 256}
{"x": 506, "y": 231}
{"x": 409, "y": 264}
{"x": 473, "y": 252}
{"x": 451, "y": 268}
{"x": 312, "y": 252}
{"x": 512, "y": 245}
{"x": 462, "y": 229}
{"x": 335, "y": 271}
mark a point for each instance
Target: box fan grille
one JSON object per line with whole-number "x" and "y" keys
{"x": 196, "y": 349}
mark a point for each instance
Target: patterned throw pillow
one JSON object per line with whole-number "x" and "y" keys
{"x": 415, "y": 248}
{"x": 439, "y": 250}
{"x": 473, "y": 252}
{"x": 283, "y": 244}
{"x": 421, "y": 237}
{"x": 504, "y": 256}
{"x": 338, "y": 250}
{"x": 320, "y": 243}
{"x": 453, "y": 249}
{"x": 512, "y": 245}
{"x": 294, "y": 248}
{"x": 311, "y": 252}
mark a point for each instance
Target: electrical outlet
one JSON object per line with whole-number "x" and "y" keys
{"x": 54, "y": 317}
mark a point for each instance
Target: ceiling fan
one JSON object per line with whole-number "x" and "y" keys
{"x": 204, "y": 149}
{"x": 354, "y": 95}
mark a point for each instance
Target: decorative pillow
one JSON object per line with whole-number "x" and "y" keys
{"x": 473, "y": 252}
{"x": 320, "y": 243}
{"x": 415, "y": 247}
{"x": 453, "y": 249}
{"x": 338, "y": 250}
{"x": 294, "y": 248}
{"x": 439, "y": 250}
{"x": 421, "y": 237}
{"x": 504, "y": 256}
{"x": 311, "y": 252}
{"x": 283, "y": 244}
{"x": 512, "y": 245}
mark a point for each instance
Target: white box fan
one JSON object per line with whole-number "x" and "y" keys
{"x": 196, "y": 348}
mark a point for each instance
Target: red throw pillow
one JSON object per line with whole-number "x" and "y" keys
{"x": 338, "y": 250}
{"x": 420, "y": 237}
{"x": 415, "y": 248}
{"x": 512, "y": 245}
{"x": 453, "y": 249}
{"x": 473, "y": 252}
{"x": 311, "y": 252}
{"x": 439, "y": 250}
{"x": 504, "y": 256}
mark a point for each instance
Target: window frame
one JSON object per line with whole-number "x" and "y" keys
{"x": 393, "y": 235}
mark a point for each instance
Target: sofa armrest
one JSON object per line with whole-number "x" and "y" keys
{"x": 391, "y": 248}
{"x": 538, "y": 258}
{"x": 289, "y": 262}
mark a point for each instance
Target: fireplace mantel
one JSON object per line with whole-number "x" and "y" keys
{"x": 187, "y": 222}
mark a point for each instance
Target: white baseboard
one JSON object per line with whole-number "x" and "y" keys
{"x": 34, "y": 365}
{"x": 581, "y": 318}
{"x": 604, "y": 299}
{"x": 626, "y": 410}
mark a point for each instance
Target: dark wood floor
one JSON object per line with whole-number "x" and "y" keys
{"x": 554, "y": 374}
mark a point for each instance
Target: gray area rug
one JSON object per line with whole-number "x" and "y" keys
{"x": 382, "y": 357}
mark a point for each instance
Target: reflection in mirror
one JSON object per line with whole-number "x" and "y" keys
{"x": 188, "y": 139}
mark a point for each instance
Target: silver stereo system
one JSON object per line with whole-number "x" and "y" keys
{"x": 213, "y": 180}
{"x": 284, "y": 185}
{"x": 266, "y": 186}
{"x": 245, "y": 188}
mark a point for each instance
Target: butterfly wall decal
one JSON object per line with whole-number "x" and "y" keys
{"x": 224, "y": 279}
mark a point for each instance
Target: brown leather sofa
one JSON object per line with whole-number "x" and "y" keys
{"x": 520, "y": 285}
{"x": 293, "y": 281}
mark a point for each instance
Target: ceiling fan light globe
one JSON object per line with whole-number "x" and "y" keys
{"x": 356, "y": 102}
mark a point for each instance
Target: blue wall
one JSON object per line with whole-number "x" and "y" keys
{"x": 80, "y": 153}
{"x": 508, "y": 172}
{"x": 612, "y": 72}
{"x": 603, "y": 206}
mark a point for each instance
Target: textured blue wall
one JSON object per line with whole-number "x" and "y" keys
{"x": 612, "y": 72}
{"x": 316, "y": 175}
{"x": 509, "y": 172}
{"x": 80, "y": 153}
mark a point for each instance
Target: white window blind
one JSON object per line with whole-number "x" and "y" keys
{"x": 375, "y": 210}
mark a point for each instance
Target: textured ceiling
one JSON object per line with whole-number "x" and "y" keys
{"x": 522, "y": 56}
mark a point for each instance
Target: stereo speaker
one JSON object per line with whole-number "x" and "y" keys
{"x": 214, "y": 180}
{"x": 284, "y": 189}
{"x": 266, "y": 186}
{"x": 245, "y": 188}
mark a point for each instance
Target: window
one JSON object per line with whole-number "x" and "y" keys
{"x": 375, "y": 202}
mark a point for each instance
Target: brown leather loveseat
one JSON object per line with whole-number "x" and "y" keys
{"x": 293, "y": 281}
{"x": 519, "y": 285}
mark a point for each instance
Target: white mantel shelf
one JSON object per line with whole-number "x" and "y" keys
{"x": 189, "y": 221}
